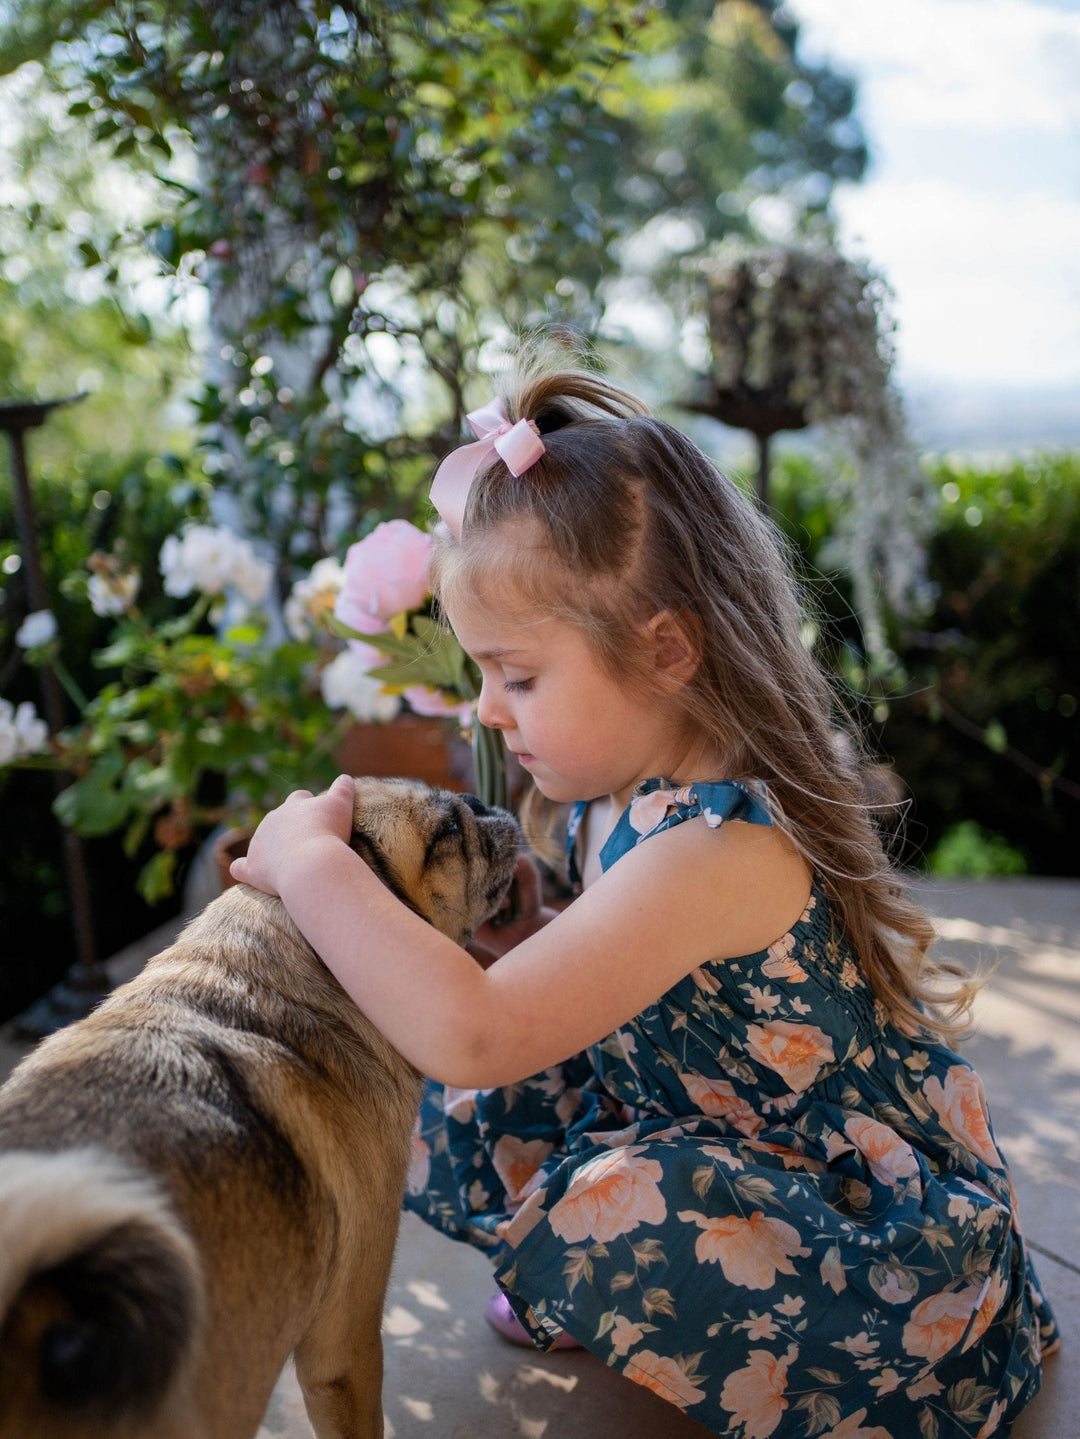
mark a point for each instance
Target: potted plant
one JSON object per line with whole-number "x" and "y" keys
{"x": 218, "y": 710}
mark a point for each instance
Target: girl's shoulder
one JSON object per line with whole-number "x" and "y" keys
{"x": 709, "y": 858}
{"x": 658, "y": 805}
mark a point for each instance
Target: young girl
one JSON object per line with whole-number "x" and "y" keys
{"x": 705, "y": 1119}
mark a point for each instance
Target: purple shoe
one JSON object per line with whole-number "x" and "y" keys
{"x": 500, "y": 1315}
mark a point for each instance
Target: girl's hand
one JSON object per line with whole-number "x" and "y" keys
{"x": 303, "y": 819}
{"x": 492, "y": 940}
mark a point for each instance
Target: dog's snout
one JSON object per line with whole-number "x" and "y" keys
{"x": 476, "y": 805}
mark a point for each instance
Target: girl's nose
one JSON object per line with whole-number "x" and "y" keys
{"x": 491, "y": 707}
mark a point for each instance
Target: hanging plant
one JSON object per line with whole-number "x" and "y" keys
{"x": 801, "y": 335}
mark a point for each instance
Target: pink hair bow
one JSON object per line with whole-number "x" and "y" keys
{"x": 517, "y": 445}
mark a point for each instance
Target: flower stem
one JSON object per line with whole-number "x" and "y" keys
{"x": 71, "y": 685}
{"x": 489, "y": 763}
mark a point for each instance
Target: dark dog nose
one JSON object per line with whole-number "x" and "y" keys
{"x": 476, "y": 805}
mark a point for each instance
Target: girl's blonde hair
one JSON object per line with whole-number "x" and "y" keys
{"x": 624, "y": 518}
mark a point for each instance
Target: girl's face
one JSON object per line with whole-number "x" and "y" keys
{"x": 577, "y": 731}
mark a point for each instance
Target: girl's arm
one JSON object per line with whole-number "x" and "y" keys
{"x": 685, "y": 896}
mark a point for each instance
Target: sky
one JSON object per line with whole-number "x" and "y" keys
{"x": 971, "y": 206}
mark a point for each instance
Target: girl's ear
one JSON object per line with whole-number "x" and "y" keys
{"x": 676, "y": 654}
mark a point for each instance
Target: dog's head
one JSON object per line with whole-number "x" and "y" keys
{"x": 446, "y": 855}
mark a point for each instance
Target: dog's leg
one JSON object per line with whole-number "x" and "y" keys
{"x": 339, "y": 1365}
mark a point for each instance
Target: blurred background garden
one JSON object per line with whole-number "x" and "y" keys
{"x": 270, "y": 249}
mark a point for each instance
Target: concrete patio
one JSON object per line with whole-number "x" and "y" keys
{"x": 448, "y": 1376}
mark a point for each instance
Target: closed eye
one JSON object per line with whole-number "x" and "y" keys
{"x": 517, "y": 687}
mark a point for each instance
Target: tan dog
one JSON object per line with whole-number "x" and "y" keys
{"x": 205, "y": 1175}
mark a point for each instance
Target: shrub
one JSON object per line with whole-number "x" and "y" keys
{"x": 980, "y": 721}
{"x": 96, "y": 505}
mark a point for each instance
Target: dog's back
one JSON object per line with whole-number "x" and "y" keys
{"x": 230, "y": 1092}
{"x": 205, "y": 1175}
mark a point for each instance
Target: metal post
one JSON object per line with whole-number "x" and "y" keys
{"x": 86, "y": 981}
{"x": 763, "y": 471}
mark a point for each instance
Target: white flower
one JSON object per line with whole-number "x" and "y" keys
{"x": 113, "y": 594}
{"x": 37, "y": 629}
{"x": 312, "y": 597}
{"x": 209, "y": 560}
{"x": 251, "y": 577}
{"x": 22, "y": 732}
{"x": 31, "y": 731}
{"x": 346, "y": 685}
{"x": 8, "y": 743}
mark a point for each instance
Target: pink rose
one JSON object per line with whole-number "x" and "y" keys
{"x": 385, "y": 572}
{"x": 423, "y": 700}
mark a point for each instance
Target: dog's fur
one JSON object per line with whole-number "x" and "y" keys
{"x": 205, "y": 1175}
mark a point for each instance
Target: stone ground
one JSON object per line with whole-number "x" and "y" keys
{"x": 449, "y": 1377}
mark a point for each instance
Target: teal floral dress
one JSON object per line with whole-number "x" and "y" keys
{"x": 758, "y": 1198}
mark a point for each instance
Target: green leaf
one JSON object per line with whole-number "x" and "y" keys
{"x": 157, "y": 877}
{"x": 94, "y": 805}
{"x": 995, "y": 737}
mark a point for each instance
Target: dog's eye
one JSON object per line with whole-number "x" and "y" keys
{"x": 449, "y": 830}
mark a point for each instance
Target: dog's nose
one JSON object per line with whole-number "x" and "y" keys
{"x": 476, "y": 805}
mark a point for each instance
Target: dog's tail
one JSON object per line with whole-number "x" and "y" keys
{"x": 101, "y": 1291}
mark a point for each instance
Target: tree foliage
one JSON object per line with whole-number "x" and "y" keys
{"x": 373, "y": 193}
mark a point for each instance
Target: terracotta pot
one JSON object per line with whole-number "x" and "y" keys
{"x": 229, "y": 845}
{"x": 409, "y": 747}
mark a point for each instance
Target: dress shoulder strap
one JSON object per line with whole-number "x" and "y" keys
{"x": 657, "y": 805}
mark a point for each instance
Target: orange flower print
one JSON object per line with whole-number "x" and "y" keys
{"x": 924, "y": 1388}
{"x": 754, "y": 1395}
{"x": 717, "y": 1097}
{"x": 724, "y": 1156}
{"x": 522, "y": 1224}
{"x": 760, "y": 1326}
{"x": 762, "y": 1001}
{"x": 790, "y": 1305}
{"x": 751, "y": 1252}
{"x": 459, "y": 1104}
{"x": 665, "y": 1377}
{"x": 781, "y": 963}
{"x": 860, "y": 1343}
{"x": 960, "y": 1104}
{"x": 625, "y": 1334}
{"x": 993, "y": 1420}
{"x": 890, "y": 1158}
{"x": 832, "y": 1270}
{"x": 517, "y": 1163}
{"x": 610, "y": 1195}
{"x": 994, "y": 1294}
{"x": 852, "y": 1428}
{"x": 797, "y": 1052}
{"x": 553, "y": 1085}
{"x": 886, "y": 1382}
{"x": 849, "y": 974}
{"x": 939, "y": 1323}
{"x": 416, "y": 1180}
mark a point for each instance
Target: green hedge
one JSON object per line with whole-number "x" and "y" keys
{"x": 982, "y": 728}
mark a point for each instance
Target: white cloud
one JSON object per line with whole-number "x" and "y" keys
{"x": 989, "y": 65}
{"x": 987, "y": 286}
{"x": 972, "y": 206}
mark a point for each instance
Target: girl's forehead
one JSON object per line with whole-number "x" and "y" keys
{"x": 485, "y": 628}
